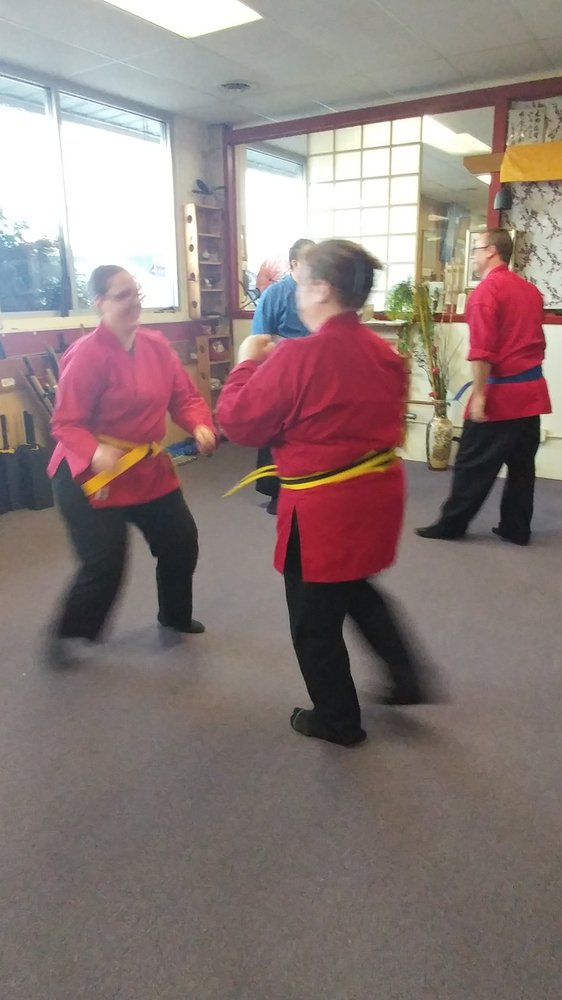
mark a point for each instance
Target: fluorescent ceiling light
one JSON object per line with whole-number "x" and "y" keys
{"x": 188, "y": 17}
{"x": 485, "y": 178}
{"x": 457, "y": 143}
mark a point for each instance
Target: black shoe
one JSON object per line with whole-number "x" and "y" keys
{"x": 196, "y": 628}
{"x": 509, "y": 538}
{"x": 437, "y": 531}
{"x": 305, "y": 722}
{"x": 272, "y": 506}
{"x": 62, "y": 653}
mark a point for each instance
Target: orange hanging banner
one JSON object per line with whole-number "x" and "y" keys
{"x": 540, "y": 161}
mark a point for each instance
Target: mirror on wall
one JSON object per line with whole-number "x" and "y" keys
{"x": 400, "y": 188}
{"x": 453, "y": 199}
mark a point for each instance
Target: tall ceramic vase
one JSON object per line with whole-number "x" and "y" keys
{"x": 439, "y": 438}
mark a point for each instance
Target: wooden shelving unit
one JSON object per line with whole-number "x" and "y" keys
{"x": 214, "y": 361}
{"x": 207, "y": 282}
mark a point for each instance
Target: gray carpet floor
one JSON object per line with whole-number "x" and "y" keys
{"x": 166, "y": 836}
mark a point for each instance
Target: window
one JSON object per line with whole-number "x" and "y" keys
{"x": 31, "y": 273}
{"x": 274, "y": 201}
{"x": 99, "y": 175}
{"x": 364, "y": 186}
{"x": 119, "y": 196}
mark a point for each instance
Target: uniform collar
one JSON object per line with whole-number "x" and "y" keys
{"x": 108, "y": 338}
{"x": 347, "y": 320}
{"x": 494, "y": 270}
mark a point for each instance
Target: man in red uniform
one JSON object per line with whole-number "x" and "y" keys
{"x": 509, "y": 392}
{"x": 325, "y": 402}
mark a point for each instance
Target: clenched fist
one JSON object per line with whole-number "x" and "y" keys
{"x": 257, "y": 347}
{"x": 205, "y": 439}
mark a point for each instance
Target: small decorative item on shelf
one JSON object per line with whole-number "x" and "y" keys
{"x": 428, "y": 343}
{"x": 218, "y": 350}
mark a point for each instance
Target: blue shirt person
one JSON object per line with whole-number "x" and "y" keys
{"x": 276, "y": 314}
{"x": 276, "y": 311}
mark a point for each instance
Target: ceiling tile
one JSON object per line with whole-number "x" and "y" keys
{"x": 543, "y": 17}
{"x": 21, "y": 47}
{"x": 493, "y": 64}
{"x": 460, "y": 27}
{"x": 125, "y": 82}
{"x": 417, "y": 77}
{"x": 227, "y": 113}
{"x": 87, "y": 24}
{"x": 269, "y": 52}
{"x": 553, "y": 49}
{"x": 189, "y": 63}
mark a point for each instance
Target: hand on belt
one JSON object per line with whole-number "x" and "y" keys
{"x": 134, "y": 453}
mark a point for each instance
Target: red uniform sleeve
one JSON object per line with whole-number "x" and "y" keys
{"x": 79, "y": 389}
{"x": 256, "y": 400}
{"x": 484, "y": 327}
{"x": 187, "y": 407}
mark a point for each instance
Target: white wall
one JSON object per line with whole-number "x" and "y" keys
{"x": 549, "y": 458}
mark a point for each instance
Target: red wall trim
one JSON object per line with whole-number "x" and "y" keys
{"x": 438, "y": 104}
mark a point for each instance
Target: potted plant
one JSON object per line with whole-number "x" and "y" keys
{"x": 426, "y": 342}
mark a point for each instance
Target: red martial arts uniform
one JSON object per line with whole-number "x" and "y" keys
{"x": 323, "y": 402}
{"x": 504, "y": 316}
{"x": 107, "y": 390}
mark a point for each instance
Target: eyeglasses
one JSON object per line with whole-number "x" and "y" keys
{"x": 127, "y": 293}
{"x": 484, "y": 247}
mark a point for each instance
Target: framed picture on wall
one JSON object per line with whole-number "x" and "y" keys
{"x": 471, "y": 278}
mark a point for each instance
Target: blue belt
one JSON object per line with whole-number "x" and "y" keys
{"x": 531, "y": 375}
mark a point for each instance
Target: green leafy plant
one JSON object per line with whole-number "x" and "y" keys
{"x": 400, "y": 306}
{"x": 426, "y": 341}
{"x": 30, "y": 270}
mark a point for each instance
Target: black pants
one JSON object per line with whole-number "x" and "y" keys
{"x": 316, "y": 614}
{"x": 483, "y": 449}
{"x": 270, "y": 485}
{"x": 99, "y": 537}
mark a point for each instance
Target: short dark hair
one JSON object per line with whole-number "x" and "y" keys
{"x": 100, "y": 277}
{"x": 298, "y": 248}
{"x": 501, "y": 240}
{"x": 347, "y": 267}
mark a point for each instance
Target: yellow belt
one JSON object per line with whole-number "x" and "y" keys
{"x": 373, "y": 461}
{"x": 134, "y": 453}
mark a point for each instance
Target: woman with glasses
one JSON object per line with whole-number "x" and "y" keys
{"x": 333, "y": 403}
{"x": 116, "y": 386}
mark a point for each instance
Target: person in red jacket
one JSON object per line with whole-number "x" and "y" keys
{"x": 116, "y": 386}
{"x": 332, "y": 404}
{"x": 509, "y": 392}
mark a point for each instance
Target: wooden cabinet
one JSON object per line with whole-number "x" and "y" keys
{"x": 206, "y": 264}
{"x": 214, "y": 361}
{"x": 207, "y": 283}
